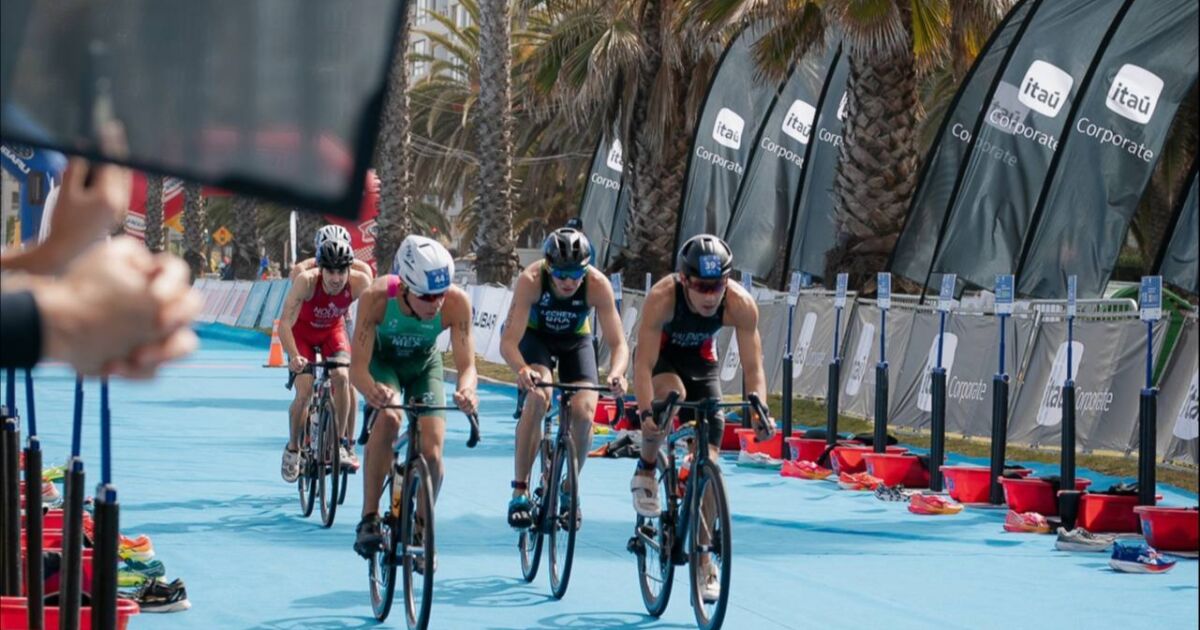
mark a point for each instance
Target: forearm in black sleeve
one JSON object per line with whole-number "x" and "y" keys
{"x": 20, "y": 330}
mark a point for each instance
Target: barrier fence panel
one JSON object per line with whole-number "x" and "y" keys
{"x": 812, "y": 342}
{"x": 218, "y": 295}
{"x": 862, "y": 353}
{"x": 254, "y": 304}
{"x": 274, "y": 303}
{"x": 236, "y": 302}
{"x": 487, "y": 304}
{"x": 1108, "y": 364}
{"x": 1178, "y": 427}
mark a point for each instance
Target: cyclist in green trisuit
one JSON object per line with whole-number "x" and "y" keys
{"x": 395, "y": 360}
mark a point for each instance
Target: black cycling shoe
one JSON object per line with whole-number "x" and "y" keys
{"x": 368, "y": 537}
{"x": 520, "y": 512}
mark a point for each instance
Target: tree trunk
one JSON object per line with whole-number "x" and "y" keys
{"x": 495, "y": 256}
{"x": 246, "y": 243}
{"x": 877, "y": 165}
{"x": 193, "y": 230}
{"x": 155, "y": 240}
{"x": 395, "y": 156}
{"x": 656, "y": 174}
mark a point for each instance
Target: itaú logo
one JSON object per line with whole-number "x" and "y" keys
{"x": 797, "y": 124}
{"x": 949, "y": 349}
{"x": 1134, "y": 93}
{"x": 1045, "y": 88}
{"x": 615, "y": 158}
{"x": 1187, "y": 427}
{"x": 803, "y": 344}
{"x": 1050, "y": 409}
{"x": 858, "y": 369}
{"x": 733, "y": 360}
{"x": 727, "y": 130}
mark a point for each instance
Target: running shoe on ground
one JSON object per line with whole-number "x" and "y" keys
{"x": 933, "y": 504}
{"x": 150, "y": 569}
{"x": 710, "y": 586}
{"x": 894, "y": 493}
{"x": 758, "y": 460}
{"x": 130, "y": 579}
{"x": 1026, "y": 523}
{"x": 804, "y": 469}
{"x": 54, "y": 473}
{"x": 157, "y": 596}
{"x": 368, "y": 537}
{"x": 1140, "y": 558}
{"x": 1080, "y": 539}
{"x": 645, "y": 495}
{"x": 349, "y": 459}
{"x": 289, "y": 468}
{"x": 858, "y": 481}
{"x": 140, "y": 554}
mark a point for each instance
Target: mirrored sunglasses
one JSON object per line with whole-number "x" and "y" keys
{"x": 574, "y": 273}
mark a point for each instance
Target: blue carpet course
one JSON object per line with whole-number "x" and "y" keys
{"x": 197, "y": 465}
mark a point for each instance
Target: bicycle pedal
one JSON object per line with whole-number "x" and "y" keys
{"x": 635, "y": 546}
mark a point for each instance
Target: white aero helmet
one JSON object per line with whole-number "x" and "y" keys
{"x": 424, "y": 265}
{"x": 331, "y": 232}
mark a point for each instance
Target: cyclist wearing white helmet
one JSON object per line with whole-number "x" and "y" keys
{"x": 314, "y": 317}
{"x": 396, "y": 360}
{"x": 328, "y": 232}
{"x": 548, "y": 327}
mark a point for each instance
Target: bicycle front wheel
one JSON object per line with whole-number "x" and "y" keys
{"x": 416, "y": 554}
{"x": 382, "y": 567}
{"x": 653, "y": 542}
{"x": 562, "y": 504}
{"x": 710, "y": 550}
{"x": 530, "y": 540}
{"x": 329, "y": 462}
{"x": 306, "y": 484}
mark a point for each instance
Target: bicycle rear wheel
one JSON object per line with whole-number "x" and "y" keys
{"x": 418, "y": 560}
{"x": 562, "y": 504}
{"x": 712, "y": 525}
{"x": 307, "y": 482}
{"x": 328, "y": 462}
{"x": 530, "y": 540}
{"x": 654, "y": 540}
{"x": 382, "y": 567}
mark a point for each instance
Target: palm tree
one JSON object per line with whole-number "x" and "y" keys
{"x": 642, "y": 63}
{"x": 495, "y": 258}
{"x": 890, "y": 44}
{"x": 194, "y": 229}
{"x": 395, "y": 153}
{"x": 246, "y": 242}
{"x": 154, "y": 213}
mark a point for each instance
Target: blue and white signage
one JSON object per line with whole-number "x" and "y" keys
{"x": 839, "y": 298}
{"x": 747, "y": 280}
{"x": 1072, "y": 283}
{"x": 616, "y": 283}
{"x": 884, "y": 284}
{"x": 1004, "y": 294}
{"x": 946, "y": 297}
{"x": 1150, "y": 298}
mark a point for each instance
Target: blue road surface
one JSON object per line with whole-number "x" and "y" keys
{"x": 197, "y": 465}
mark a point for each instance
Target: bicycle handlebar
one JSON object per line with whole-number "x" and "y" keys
{"x": 308, "y": 369}
{"x": 712, "y": 404}
{"x": 567, "y": 387}
{"x": 417, "y": 409}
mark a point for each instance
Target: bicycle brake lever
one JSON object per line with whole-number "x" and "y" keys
{"x": 473, "y": 439}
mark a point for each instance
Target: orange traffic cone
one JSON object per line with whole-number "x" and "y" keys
{"x": 275, "y": 358}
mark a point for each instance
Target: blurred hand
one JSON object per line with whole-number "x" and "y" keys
{"x": 119, "y": 310}
{"x": 618, "y": 385}
{"x": 380, "y": 395}
{"x": 467, "y": 400}
{"x": 88, "y": 209}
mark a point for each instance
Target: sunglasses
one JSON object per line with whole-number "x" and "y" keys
{"x": 428, "y": 297}
{"x": 345, "y": 269}
{"x": 706, "y": 287}
{"x": 574, "y": 273}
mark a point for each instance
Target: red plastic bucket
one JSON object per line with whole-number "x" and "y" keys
{"x": 970, "y": 484}
{"x": 849, "y": 459}
{"x": 15, "y": 616}
{"x": 892, "y": 468}
{"x": 606, "y": 411}
{"x": 772, "y": 447}
{"x": 50, "y": 520}
{"x": 1108, "y": 513}
{"x": 806, "y": 449}
{"x": 51, "y": 538}
{"x": 1035, "y": 495}
{"x": 1170, "y": 528}
{"x": 730, "y": 440}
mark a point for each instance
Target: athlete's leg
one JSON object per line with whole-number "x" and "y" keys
{"x": 299, "y": 409}
{"x": 378, "y": 456}
{"x": 529, "y": 429}
{"x": 577, "y": 365}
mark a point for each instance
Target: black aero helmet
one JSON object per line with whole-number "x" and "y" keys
{"x": 335, "y": 254}
{"x": 705, "y": 256}
{"x": 567, "y": 248}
